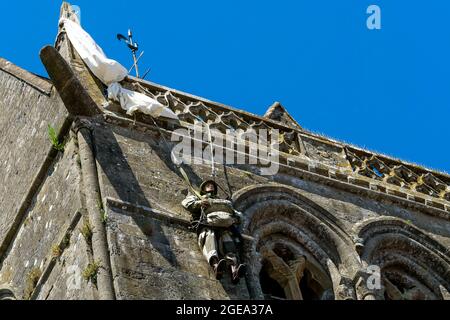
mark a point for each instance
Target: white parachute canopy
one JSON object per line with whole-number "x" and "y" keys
{"x": 111, "y": 72}
{"x": 107, "y": 70}
{"x": 132, "y": 101}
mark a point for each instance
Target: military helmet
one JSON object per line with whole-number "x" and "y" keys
{"x": 204, "y": 184}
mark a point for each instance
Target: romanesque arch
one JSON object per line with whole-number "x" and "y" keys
{"x": 299, "y": 250}
{"x": 413, "y": 265}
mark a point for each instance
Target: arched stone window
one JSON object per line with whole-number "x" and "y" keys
{"x": 299, "y": 252}
{"x": 286, "y": 275}
{"x": 413, "y": 266}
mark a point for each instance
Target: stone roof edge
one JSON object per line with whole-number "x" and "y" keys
{"x": 332, "y": 176}
{"x": 39, "y": 83}
{"x": 278, "y": 125}
{"x": 274, "y": 124}
{"x": 286, "y": 113}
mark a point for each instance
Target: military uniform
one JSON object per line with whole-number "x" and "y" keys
{"x": 216, "y": 223}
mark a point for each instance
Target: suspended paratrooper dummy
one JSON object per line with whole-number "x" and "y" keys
{"x": 216, "y": 223}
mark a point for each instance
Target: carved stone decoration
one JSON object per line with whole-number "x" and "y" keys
{"x": 278, "y": 113}
{"x": 346, "y": 289}
{"x": 399, "y": 174}
{"x": 295, "y": 142}
{"x": 174, "y": 103}
{"x": 233, "y": 121}
{"x": 333, "y": 221}
{"x": 412, "y": 265}
{"x": 289, "y": 144}
{"x": 220, "y": 127}
{"x": 359, "y": 245}
{"x": 287, "y": 275}
{"x": 257, "y": 126}
{"x": 325, "y": 153}
{"x": 377, "y": 166}
{"x": 363, "y": 292}
{"x": 298, "y": 251}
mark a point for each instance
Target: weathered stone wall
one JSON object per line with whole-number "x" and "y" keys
{"x": 108, "y": 208}
{"x": 44, "y": 233}
{"x": 25, "y": 113}
{"x": 150, "y": 258}
{"x": 65, "y": 280}
{"x": 153, "y": 253}
{"x": 42, "y": 250}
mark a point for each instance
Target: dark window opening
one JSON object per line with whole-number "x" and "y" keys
{"x": 270, "y": 287}
{"x": 283, "y": 252}
{"x": 310, "y": 288}
{"x": 405, "y": 291}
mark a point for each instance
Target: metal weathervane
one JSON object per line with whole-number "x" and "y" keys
{"x": 134, "y": 47}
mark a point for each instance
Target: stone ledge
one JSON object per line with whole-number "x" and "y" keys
{"x": 277, "y": 125}
{"x": 163, "y": 216}
{"x": 43, "y": 85}
{"x": 399, "y": 198}
{"x": 341, "y": 179}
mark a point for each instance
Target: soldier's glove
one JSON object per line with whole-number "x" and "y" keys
{"x": 204, "y": 203}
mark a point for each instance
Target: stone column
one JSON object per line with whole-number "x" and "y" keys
{"x": 91, "y": 190}
{"x": 363, "y": 286}
{"x": 288, "y": 276}
{"x": 253, "y": 262}
{"x": 363, "y": 292}
{"x": 345, "y": 290}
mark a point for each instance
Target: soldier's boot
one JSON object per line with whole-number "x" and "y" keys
{"x": 218, "y": 267}
{"x": 237, "y": 272}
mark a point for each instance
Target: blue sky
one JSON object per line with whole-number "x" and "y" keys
{"x": 386, "y": 90}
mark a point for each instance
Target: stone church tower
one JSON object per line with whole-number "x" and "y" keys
{"x": 100, "y": 217}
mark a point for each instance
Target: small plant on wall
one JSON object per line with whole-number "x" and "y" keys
{"x": 91, "y": 271}
{"x": 54, "y": 139}
{"x": 31, "y": 282}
